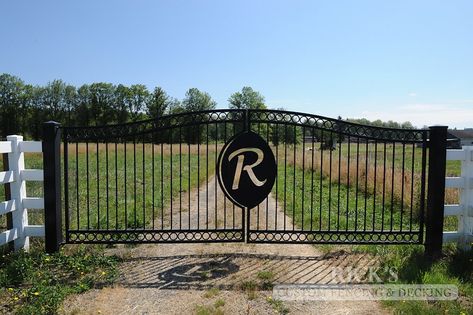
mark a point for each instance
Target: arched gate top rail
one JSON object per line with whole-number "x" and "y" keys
{"x": 118, "y": 131}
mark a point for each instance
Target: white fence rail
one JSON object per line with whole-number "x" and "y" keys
{"x": 464, "y": 210}
{"x": 18, "y": 204}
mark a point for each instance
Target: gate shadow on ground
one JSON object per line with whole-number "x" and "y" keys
{"x": 232, "y": 271}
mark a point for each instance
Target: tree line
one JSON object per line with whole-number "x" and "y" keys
{"x": 24, "y": 107}
{"x": 380, "y": 123}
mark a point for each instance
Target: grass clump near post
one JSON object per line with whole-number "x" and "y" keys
{"x": 219, "y": 303}
{"x": 38, "y": 283}
{"x": 210, "y": 293}
{"x": 411, "y": 267}
{"x": 250, "y": 287}
{"x": 208, "y": 310}
{"x": 277, "y": 305}
{"x": 263, "y": 282}
{"x": 266, "y": 277}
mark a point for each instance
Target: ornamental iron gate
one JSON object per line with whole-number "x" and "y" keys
{"x": 189, "y": 177}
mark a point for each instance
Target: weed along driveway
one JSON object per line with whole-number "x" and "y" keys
{"x": 222, "y": 278}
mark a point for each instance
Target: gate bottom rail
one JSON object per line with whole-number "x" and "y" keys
{"x": 335, "y": 237}
{"x": 154, "y": 236}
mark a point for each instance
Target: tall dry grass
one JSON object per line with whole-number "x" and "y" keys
{"x": 396, "y": 184}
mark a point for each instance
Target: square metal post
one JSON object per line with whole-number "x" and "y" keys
{"x": 52, "y": 185}
{"x": 436, "y": 191}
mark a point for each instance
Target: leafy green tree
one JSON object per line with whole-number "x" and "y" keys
{"x": 195, "y": 100}
{"x": 407, "y": 125}
{"x": 37, "y": 114}
{"x": 25, "y": 110}
{"x": 101, "y": 97}
{"x": 120, "y": 106}
{"x": 392, "y": 124}
{"x": 138, "y": 100}
{"x": 284, "y": 133}
{"x": 70, "y": 98}
{"x": 83, "y": 111}
{"x": 58, "y": 101}
{"x": 159, "y": 103}
{"x": 12, "y": 110}
{"x": 247, "y": 99}
{"x": 175, "y": 106}
{"x": 377, "y": 123}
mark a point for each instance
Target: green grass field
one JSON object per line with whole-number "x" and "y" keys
{"x": 122, "y": 193}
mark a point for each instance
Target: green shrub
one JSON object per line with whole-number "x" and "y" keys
{"x": 37, "y": 283}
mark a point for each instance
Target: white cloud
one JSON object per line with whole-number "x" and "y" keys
{"x": 412, "y": 94}
{"x": 421, "y": 114}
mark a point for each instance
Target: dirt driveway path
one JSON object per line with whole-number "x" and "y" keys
{"x": 220, "y": 278}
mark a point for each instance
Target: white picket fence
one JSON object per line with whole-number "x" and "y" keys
{"x": 19, "y": 203}
{"x": 464, "y": 210}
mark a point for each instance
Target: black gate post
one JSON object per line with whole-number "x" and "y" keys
{"x": 436, "y": 191}
{"x": 52, "y": 185}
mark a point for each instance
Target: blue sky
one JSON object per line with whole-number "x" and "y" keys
{"x": 399, "y": 60}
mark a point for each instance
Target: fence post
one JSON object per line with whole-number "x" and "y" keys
{"x": 436, "y": 191}
{"x": 16, "y": 163}
{"x": 465, "y": 220}
{"x": 52, "y": 186}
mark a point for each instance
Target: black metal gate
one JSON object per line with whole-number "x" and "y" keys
{"x": 150, "y": 181}
{"x": 340, "y": 182}
{"x": 155, "y": 181}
